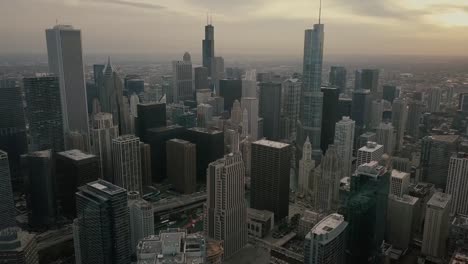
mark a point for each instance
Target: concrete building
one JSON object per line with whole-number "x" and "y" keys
{"x": 399, "y": 117}
{"x": 424, "y": 192}
{"x": 436, "y": 225}
{"x": 271, "y": 162}
{"x": 126, "y": 159}
{"x": 402, "y": 212}
{"x": 376, "y": 112}
{"x": 270, "y": 109}
{"x": 457, "y": 183}
{"x": 386, "y": 137}
{"x": 141, "y": 219}
{"x": 458, "y": 233}
{"x": 74, "y": 168}
{"x": 226, "y": 211}
{"x": 360, "y": 109}
{"x": 103, "y": 132}
{"x": 415, "y": 110}
{"x": 150, "y": 115}
{"x": 182, "y": 81}
{"x": 7, "y": 206}
{"x": 181, "y": 165}
{"x": 251, "y": 105}
{"x": 399, "y": 183}
{"x": 44, "y": 113}
{"x": 259, "y": 222}
{"x": 307, "y": 221}
{"x": 172, "y": 246}
{"x": 18, "y": 247}
{"x": 364, "y": 138}
{"x": 436, "y": 152}
{"x": 434, "y": 99}
{"x": 371, "y": 152}
{"x": 146, "y": 168}
{"x": 326, "y": 242}
{"x": 103, "y": 223}
{"x": 204, "y": 115}
{"x": 306, "y": 170}
{"x": 290, "y": 104}
{"x": 66, "y": 61}
{"x": 344, "y": 142}
{"x": 201, "y": 78}
{"x": 326, "y": 189}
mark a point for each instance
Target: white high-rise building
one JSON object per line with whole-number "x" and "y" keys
{"x": 249, "y": 84}
{"x": 401, "y": 214}
{"x": 126, "y": 157}
{"x": 399, "y": 183}
{"x": 306, "y": 168}
{"x": 399, "y": 119}
{"x": 457, "y": 183}
{"x": 66, "y": 61}
{"x": 236, "y": 113}
{"x": 344, "y": 142}
{"x": 102, "y": 133}
{"x": 204, "y": 115}
{"x": 327, "y": 187}
{"x": 251, "y": 104}
{"x": 436, "y": 225}
{"x": 370, "y": 152}
{"x": 182, "y": 80}
{"x": 386, "y": 137}
{"x": 141, "y": 219}
{"x": 245, "y": 124}
{"x": 376, "y": 113}
{"x": 226, "y": 210}
{"x": 134, "y": 101}
{"x": 326, "y": 241}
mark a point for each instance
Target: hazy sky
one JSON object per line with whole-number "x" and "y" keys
{"x": 432, "y": 27}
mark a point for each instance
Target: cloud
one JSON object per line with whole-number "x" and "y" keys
{"x": 378, "y": 8}
{"x": 144, "y": 5}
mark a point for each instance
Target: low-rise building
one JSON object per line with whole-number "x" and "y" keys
{"x": 307, "y": 221}
{"x": 259, "y": 222}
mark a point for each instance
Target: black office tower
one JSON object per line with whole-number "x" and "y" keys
{"x": 370, "y": 81}
{"x": 134, "y": 85}
{"x": 230, "y": 90}
{"x": 201, "y": 78}
{"x": 338, "y": 78}
{"x": 39, "y": 174}
{"x": 73, "y": 169}
{"x": 156, "y": 138}
{"x": 270, "y": 109}
{"x": 12, "y": 127}
{"x": 271, "y": 162}
{"x": 152, "y": 115}
{"x": 44, "y": 112}
{"x": 360, "y": 108}
{"x": 329, "y": 116}
{"x": 344, "y": 107}
{"x": 208, "y": 49}
{"x": 389, "y": 93}
{"x": 210, "y": 147}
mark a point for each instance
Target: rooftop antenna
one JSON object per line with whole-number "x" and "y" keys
{"x": 207, "y": 20}
{"x": 211, "y": 19}
{"x": 56, "y": 21}
{"x": 320, "y": 12}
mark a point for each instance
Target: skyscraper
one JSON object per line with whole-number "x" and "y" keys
{"x": 182, "y": 81}
{"x": 390, "y": 93}
{"x": 366, "y": 212}
{"x": 103, "y": 132}
{"x": 457, "y": 183}
{"x": 414, "y": 118}
{"x": 306, "y": 169}
{"x": 401, "y": 216}
{"x": 370, "y": 81}
{"x": 126, "y": 159}
{"x": 251, "y": 105}
{"x": 201, "y": 78}
{"x": 329, "y": 116}
{"x": 386, "y": 137}
{"x": 7, "y": 206}
{"x": 310, "y": 116}
{"x": 150, "y": 115}
{"x": 399, "y": 117}
{"x": 436, "y": 151}
{"x": 290, "y": 104}
{"x": 344, "y": 142}
{"x": 434, "y": 99}
{"x": 18, "y": 247}
{"x": 141, "y": 219}
{"x": 370, "y": 152}
{"x": 326, "y": 241}
{"x": 204, "y": 115}
{"x": 181, "y": 165}
{"x": 73, "y": 169}
{"x": 337, "y": 78}
{"x": 360, "y": 109}
{"x": 463, "y": 103}
{"x": 376, "y": 113}
{"x": 208, "y": 49}
{"x": 103, "y": 223}
{"x": 230, "y": 90}
{"x": 226, "y": 211}
{"x": 39, "y": 172}
{"x": 146, "y": 167}
{"x": 270, "y": 109}
{"x": 13, "y": 139}
{"x": 271, "y": 162}
{"x": 44, "y": 112}
{"x": 436, "y": 225}
{"x": 66, "y": 61}
{"x": 327, "y": 183}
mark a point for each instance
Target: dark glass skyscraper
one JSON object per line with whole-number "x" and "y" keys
{"x": 208, "y": 49}
{"x": 370, "y": 81}
{"x": 44, "y": 112}
{"x": 150, "y": 115}
{"x": 270, "y": 109}
{"x": 329, "y": 116}
{"x": 103, "y": 223}
{"x": 230, "y": 90}
{"x": 201, "y": 78}
{"x": 7, "y": 206}
{"x": 360, "y": 108}
{"x": 310, "y": 115}
{"x": 389, "y": 93}
{"x": 337, "y": 78}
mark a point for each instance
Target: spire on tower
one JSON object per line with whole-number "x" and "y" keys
{"x": 320, "y": 12}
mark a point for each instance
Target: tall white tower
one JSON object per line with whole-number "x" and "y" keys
{"x": 344, "y": 142}
{"x": 103, "y": 132}
{"x": 457, "y": 183}
{"x": 141, "y": 219}
{"x": 127, "y": 162}
{"x": 386, "y": 137}
{"x": 327, "y": 185}
{"x": 251, "y": 104}
{"x": 306, "y": 167}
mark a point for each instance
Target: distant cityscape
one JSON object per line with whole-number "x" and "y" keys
{"x": 221, "y": 161}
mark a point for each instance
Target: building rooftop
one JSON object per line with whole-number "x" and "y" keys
{"x": 76, "y": 154}
{"x": 445, "y": 138}
{"x": 459, "y": 257}
{"x": 372, "y": 168}
{"x": 439, "y": 200}
{"x": 421, "y": 188}
{"x": 126, "y": 138}
{"x": 400, "y": 174}
{"x": 41, "y": 154}
{"x": 106, "y": 187}
{"x": 164, "y": 128}
{"x": 181, "y": 141}
{"x": 460, "y": 221}
{"x": 406, "y": 199}
{"x": 205, "y": 130}
{"x": 371, "y": 147}
{"x": 269, "y": 143}
{"x": 262, "y": 215}
{"x": 328, "y": 224}
{"x": 102, "y": 116}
